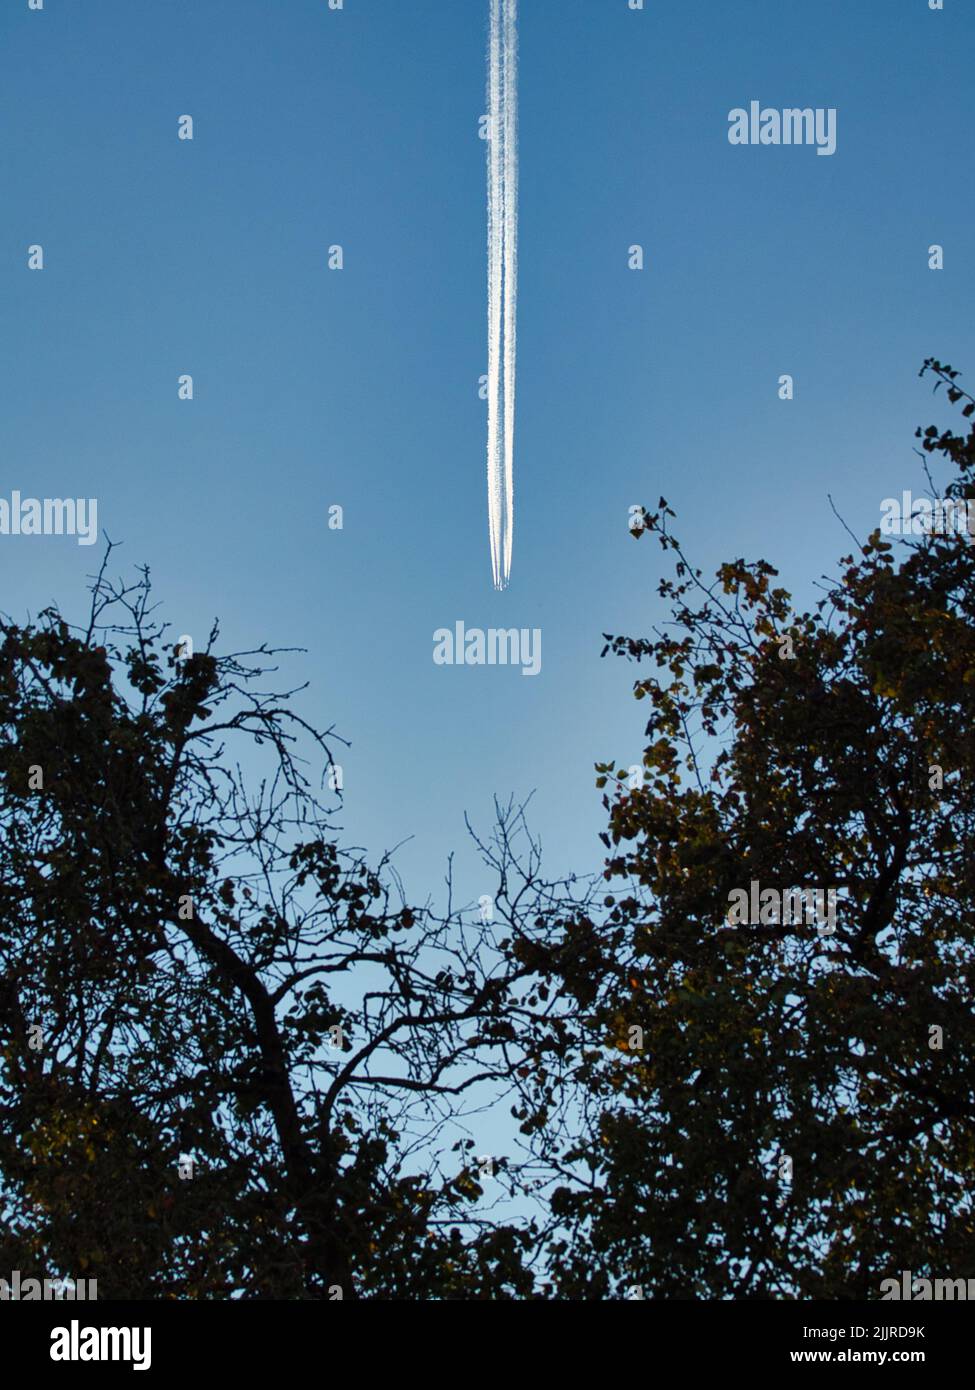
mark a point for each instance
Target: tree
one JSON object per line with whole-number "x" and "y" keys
{"x": 192, "y": 970}
{"x": 731, "y": 1089}
{"x": 782, "y": 1109}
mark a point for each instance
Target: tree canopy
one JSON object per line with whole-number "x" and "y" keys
{"x": 784, "y": 1109}
{"x": 192, "y": 971}
{"x": 745, "y": 1067}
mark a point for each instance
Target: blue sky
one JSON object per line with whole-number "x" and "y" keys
{"x": 360, "y": 387}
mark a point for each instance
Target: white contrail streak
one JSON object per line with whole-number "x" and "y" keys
{"x": 495, "y": 272}
{"x": 502, "y": 280}
{"x": 510, "y": 268}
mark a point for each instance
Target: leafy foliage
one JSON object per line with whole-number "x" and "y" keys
{"x": 768, "y": 1110}
{"x": 191, "y": 967}
{"x": 851, "y": 766}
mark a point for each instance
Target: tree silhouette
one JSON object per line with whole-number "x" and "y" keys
{"x": 751, "y": 1074}
{"x": 781, "y": 1110}
{"x": 192, "y": 970}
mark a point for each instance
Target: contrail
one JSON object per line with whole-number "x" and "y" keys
{"x": 502, "y": 280}
{"x": 510, "y": 268}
